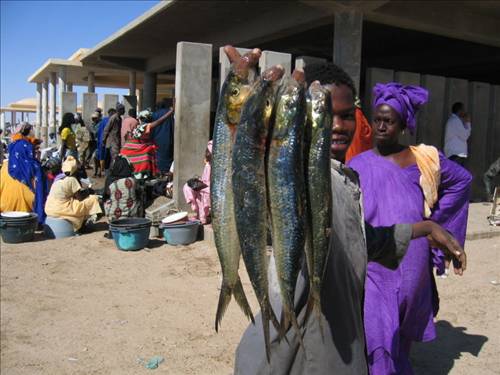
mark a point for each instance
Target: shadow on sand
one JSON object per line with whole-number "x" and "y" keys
{"x": 438, "y": 357}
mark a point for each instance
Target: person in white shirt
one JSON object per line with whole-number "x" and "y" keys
{"x": 458, "y": 128}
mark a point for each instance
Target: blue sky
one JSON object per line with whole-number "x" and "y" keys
{"x": 34, "y": 31}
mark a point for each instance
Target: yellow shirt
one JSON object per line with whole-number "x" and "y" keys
{"x": 14, "y": 195}
{"x": 69, "y": 137}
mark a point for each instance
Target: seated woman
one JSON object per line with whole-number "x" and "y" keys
{"x": 67, "y": 200}
{"x": 139, "y": 149}
{"x": 120, "y": 189}
{"x": 197, "y": 191}
{"x": 23, "y": 185}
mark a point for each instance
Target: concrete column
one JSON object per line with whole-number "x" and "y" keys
{"x": 91, "y": 82}
{"x": 479, "y": 105}
{"x": 408, "y": 78}
{"x": 38, "y": 119}
{"x": 2, "y": 121}
{"x": 225, "y": 65}
{"x": 52, "y": 104}
{"x": 88, "y": 106}
{"x": 45, "y": 112}
{"x": 69, "y": 87}
{"x": 374, "y": 76}
{"x": 193, "y": 84}
{"x": 61, "y": 89}
{"x": 347, "y": 40}
{"x": 110, "y": 101}
{"x": 68, "y": 103}
{"x": 22, "y": 116}
{"x": 13, "y": 120}
{"x": 139, "y": 94}
{"x": 271, "y": 58}
{"x": 431, "y": 120}
{"x": 149, "y": 98}
{"x": 132, "y": 82}
{"x": 129, "y": 101}
{"x": 302, "y": 61}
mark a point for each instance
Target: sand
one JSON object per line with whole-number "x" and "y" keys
{"x": 80, "y": 306}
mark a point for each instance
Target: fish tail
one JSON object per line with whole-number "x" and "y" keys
{"x": 291, "y": 319}
{"x": 315, "y": 299}
{"x": 267, "y": 312}
{"x": 241, "y": 299}
{"x": 225, "y": 297}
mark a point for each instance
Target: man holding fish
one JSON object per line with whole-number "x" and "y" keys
{"x": 272, "y": 167}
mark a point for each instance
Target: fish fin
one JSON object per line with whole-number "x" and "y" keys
{"x": 273, "y": 318}
{"x": 266, "y": 312}
{"x": 316, "y": 305}
{"x": 291, "y": 319}
{"x": 241, "y": 299}
{"x": 224, "y": 299}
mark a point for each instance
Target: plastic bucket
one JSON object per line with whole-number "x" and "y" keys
{"x": 17, "y": 230}
{"x": 130, "y": 234}
{"x": 58, "y": 228}
{"x": 180, "y": 234}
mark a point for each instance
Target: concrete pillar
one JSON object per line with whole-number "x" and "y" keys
{"x": 62, "y": 88}
{"x": 132, "y": 82}
{"x": 193, "y": 84}
{"x": 68, "y": 103}
{"x": 494, "y": 128}
{"x": 408, "y": 78}
{"x": 347, "y": 40}
{"x": 374, "y": 76}
{"x": 52, "y": 104}
{"x": 149, "y": 87}
{"x": 45, "y": 112}
{"x": 69, "y": 87}
{"x": 129, "y": 101}
{"x": 139, "y": 94}
{"x": 431, "y": 120}
{"x": 479, "y": 105}
{"x": 22, "y": 116}
{"x": 225, "y": 65}
{"x": 38, "y": 119}
{"x": 2, "y": 121}
{"x": 110, "y": 101}
{"x": 270, "y": 58}
{"x": 302, "y": 61}
{"x": 91, "y": 82}
{"x": 13, "y": 120}
{"x": 88, "y": 106}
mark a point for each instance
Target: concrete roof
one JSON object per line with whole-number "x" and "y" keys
{"x": 77, "y": 73}
{"x": 149, "y": 42}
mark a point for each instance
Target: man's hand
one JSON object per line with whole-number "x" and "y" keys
{"x": 442, "y": 239}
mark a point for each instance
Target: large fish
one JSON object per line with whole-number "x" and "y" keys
{"x": 233, "y": 94}
{"x": 318, "y": 188}
{"x": 285, "y": 179}
{"x": 249, "y": 189}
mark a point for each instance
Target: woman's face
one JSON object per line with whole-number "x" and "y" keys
{"x": 386, "y": 125}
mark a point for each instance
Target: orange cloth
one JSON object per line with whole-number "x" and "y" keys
{"x": 362, "y": 140}
{"x": 14, "y": 195}
{"x": 427, "y": 158}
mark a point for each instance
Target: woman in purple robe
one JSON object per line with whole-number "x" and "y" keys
{"x": 403, "y": 184}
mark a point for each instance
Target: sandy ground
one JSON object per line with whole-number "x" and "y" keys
{"x": 80, "y": 306}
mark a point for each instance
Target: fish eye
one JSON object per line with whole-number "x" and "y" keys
{"x": 268, "y": 103}
{"x": 235, "y": 91}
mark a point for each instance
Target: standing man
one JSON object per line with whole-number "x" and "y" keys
{"x": 458, "y": 128}
{"x": 129, "y": 123}
{"x": 112, "y": 134}
{"x": 163, "y": 136}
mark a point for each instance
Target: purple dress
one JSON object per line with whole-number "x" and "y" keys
{"x": 400, "y": 304}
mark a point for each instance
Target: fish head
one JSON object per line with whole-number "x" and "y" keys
{"x": 236, "y": 95}
{"x": 318, "y": 105}
{"x": 290, "y": 100}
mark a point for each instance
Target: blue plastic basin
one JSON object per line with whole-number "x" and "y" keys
{"x": 181, "y": 234}
{"x": 130, "y": 234}
{"x": 17, "y": 230}
{"x": 58, "y": 228}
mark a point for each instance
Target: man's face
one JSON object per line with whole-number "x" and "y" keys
{"x": 343, "y": 120}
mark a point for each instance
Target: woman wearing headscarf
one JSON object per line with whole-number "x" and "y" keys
{"x": 67, "y": 200}
{"x": 403, "y": 184}
{"x": 23, "y": 185}
{"x": 139, "y": 148}
{"x": 197, "y": 191}
{"x": 68, "y": 137}
{"x": 120, "y": 191}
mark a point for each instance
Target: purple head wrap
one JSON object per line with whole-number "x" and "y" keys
{"x": 405, "y": 100}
